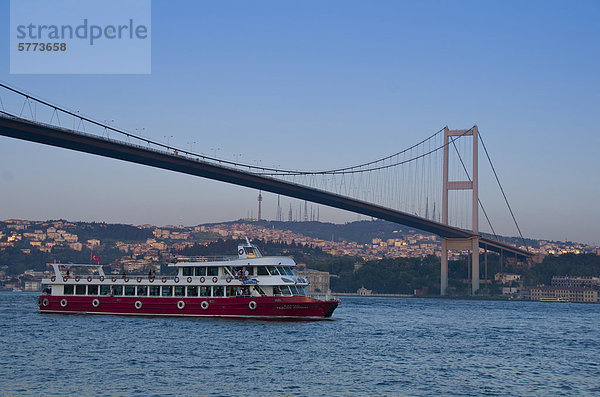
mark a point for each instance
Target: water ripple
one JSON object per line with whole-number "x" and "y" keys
{"x": 373, "y": 346}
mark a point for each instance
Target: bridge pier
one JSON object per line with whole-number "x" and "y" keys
{"x": 471, "y": 244}
{"x": 474, "y": 266}
{"x": 444, "y": 270}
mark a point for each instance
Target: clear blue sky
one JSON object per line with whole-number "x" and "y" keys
{"x": 316, "y": 84}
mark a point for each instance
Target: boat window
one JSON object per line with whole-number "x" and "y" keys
{"x": 276, "y": 291}
{"x": 105, "y": 290}
{"x": 285, "y": 290}
{"x": 179, "y": 290}
{"x": 233, "y": 291}
{"x": 80, "y": 290}
{"x": 92, "y": 290}
{"x": 117, "y": 290}
{"x": 273, "y": 270}
{"x": 130, "y": 290}
{"x": 205, "y": 291}
{"x": 294, "y": 289}
{"x": 154, "y": 290}
{"x": 192, "y": 291}
{"x": 200, "y": 271}
{"x": 259, "y": 290}
{"x": 219, "y": 290}
{"x": 301, "y": 291}
{"x": 142, "y": 290}
{"x": 188, "y": 271}
{"x": 167, "y": 290}
{"x": 212, "y": 271}
{"x": 262, "y": 271}
{"x": 68, "y": 290}
{"x": 284, "y": 271}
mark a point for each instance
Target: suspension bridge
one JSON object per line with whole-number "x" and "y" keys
{"x": 423, "y": 187}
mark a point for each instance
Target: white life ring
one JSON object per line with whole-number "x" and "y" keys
{"x": 138, "y": 305}
{"x": 77, "y": 278}
{"x": 89, "y": 279}
{"x": 228, "y": 279}
{"x": 189, "y": 279}
{"x": 180, "y": 305}
{"x": 65, "y": 278}
{"x": 204, "y": 305}
{"x": 45, "y": 302}
{"x": 176, "y": 279}
{"x": 164, "y": 279}
{"x": 139, "y": 279}
{"x": 53, "y": 278}
{"x": 63, "y": 302}
{"x": 101, "y": 278}
{"x": 202, "y": 279}
{"x": 126, "y": 279}
{"x": 214, "y": 279}
{"x": 95, "y": 303}
{"x": 252, "y": 305}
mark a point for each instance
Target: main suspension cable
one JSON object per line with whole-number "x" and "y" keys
{"x": 502, "y": 190}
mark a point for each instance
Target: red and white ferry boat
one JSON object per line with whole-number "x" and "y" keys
{"x": 246, "y": 285}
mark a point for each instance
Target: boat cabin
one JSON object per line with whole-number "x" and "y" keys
{"x": 247, "y": 274}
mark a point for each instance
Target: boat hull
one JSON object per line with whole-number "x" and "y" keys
{"x": 298, "y": 307}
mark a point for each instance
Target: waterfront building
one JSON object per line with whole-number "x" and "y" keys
{"x": 319, "y": 281}
{"x": 565, "y": 294}
{"x": 362, "y": 291}
{"x": 575, "y": 281}
{"x": 510, "y": 290}
{"x": 33, "y": 286}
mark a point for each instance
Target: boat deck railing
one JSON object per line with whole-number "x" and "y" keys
{"x": 223, "y": 258}
{"x": 128, "y": 278}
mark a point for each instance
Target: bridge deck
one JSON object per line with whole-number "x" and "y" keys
{"x": 23, "y": 129}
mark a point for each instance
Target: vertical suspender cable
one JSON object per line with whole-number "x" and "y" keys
{"x": 502, "y": 190}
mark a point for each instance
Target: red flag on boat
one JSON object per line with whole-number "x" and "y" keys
{"x": 96, "y": 258}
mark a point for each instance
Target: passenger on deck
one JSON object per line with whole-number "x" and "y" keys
{"x": 246, "y": 273}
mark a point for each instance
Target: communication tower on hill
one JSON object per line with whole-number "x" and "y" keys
{"x": 259, "y": 204}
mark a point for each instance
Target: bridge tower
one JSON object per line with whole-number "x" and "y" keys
{"x": 472, "y": 243}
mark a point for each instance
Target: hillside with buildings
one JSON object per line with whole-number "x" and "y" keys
{"x": 376, "y": 256}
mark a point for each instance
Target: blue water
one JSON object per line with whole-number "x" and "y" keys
{"x": 372, "y": 346}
